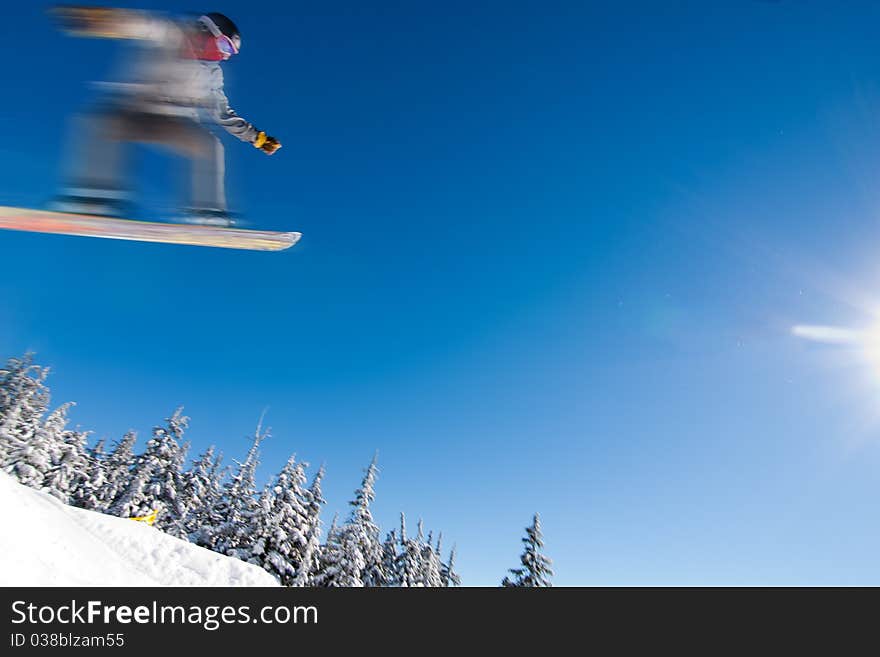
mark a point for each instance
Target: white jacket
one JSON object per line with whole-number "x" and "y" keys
{"x": 161, "y": 81}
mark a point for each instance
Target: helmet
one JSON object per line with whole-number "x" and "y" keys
{"x": 218, "y": 24}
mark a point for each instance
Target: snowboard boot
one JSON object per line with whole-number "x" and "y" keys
{"x": 98, "y": 206}
{"x": 208, "y": 217}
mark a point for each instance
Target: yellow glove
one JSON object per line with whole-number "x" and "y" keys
{"x": 266, "y": 144}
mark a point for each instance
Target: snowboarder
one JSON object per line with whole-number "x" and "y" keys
{"x": 171, "y": 98}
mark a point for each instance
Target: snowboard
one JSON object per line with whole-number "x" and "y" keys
{"x": 62, "y": 223}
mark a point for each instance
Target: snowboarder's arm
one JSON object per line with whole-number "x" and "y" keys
{"x": 237, "y": 126}
{"x": 110, "y": 23}
{"x": 232, "y": 123}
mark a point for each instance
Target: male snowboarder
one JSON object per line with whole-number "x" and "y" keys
{"x": 171, "y": 97}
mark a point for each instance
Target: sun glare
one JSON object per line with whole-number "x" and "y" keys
{"x": 864, "y": 344}
{"x": 869, "y": 345}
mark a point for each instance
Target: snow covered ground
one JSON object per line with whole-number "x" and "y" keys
{"x": 46, "y": 543}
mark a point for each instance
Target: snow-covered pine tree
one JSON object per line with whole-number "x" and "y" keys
{"x": 309, "y": 563}
{"x": 69, "y": 465}
{"x": 409, "y": 561}
{"x": 211, "y": 514}
{"x": 536, "y": 568}
{"x": 128, "y": 502}
{"x": 281, "y": 540}
{"x": 448, "y": 575}
{"x": 156, "y": 482}
{"x": 354, "y": 556}
{"x": 431, "y": 572}
{"x": 391, "y": 559}
{"x": 12, "y": 388}
{"x": 325, "y": 570}
{"x": 87, "y": 493}
{"x": 21, "y": 379}
{"x": 418, "y": 563}
{"x": 118, "y": 472}
{"x": 177, "y": 506}
{"x": 24, "y": 400}
{"x": 201, "y": 492}
{"x": 237, "y": 511}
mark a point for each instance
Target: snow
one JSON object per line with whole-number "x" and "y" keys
{"x": 48, "y": 543}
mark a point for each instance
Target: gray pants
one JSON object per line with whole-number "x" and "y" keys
{"x": 99, "y": 165}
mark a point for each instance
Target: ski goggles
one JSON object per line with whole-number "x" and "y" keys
{"x": 225, "y": 45}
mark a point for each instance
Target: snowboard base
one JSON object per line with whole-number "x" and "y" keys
{"x": 63, "y": 223}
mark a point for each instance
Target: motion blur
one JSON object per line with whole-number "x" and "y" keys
{"x": 171, "y": 96}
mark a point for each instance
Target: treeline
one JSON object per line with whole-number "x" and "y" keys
{"x": 278, "y": 528}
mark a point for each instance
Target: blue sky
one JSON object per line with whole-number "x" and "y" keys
{"x": 552, "y": 255}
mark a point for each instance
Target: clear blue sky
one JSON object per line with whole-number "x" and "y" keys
{"x": 551, "y": 257}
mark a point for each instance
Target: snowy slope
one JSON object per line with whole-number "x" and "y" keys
{"x": 46, "y": 543}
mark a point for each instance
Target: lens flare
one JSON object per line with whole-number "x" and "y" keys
{"x": 864, "y": 343}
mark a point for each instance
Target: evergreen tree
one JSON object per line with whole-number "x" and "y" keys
{"x": 431, "y": 573}
{"x": 211, "y": 515}
{"x": 536, "y": 568}
{"x": 390, "y": 559}
{"x": 156, "y": 481}
{"x": 409, "y": 560}
{"x": 201, "y": 492}
{"x": 10, "y": 390}
{"x": 281, "y": 539}
{"x": 448, "y": 576}
{"x": 24, "y": 399}
{"x": 418, "y": 563}
{"x": 69, "y": 462}
{"x": 22, "y": 383}
{"x": 326, "y": 570}
{"x": 439, "y": 545}
{"x": 165, "y": 487}
{"x": 87, "y": 493}
{"x": 129, "y": 502}
{"x": 354, "y": 557}
{"x": 238, "y": 510}
{"x": 118, "y": 473}
{"x": 309, "y": 562}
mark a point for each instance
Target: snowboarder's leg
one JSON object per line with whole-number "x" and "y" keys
{"x": 207, "y": 185}
{"x": 96, "y": 179}
{"x": 207, "y": 194}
